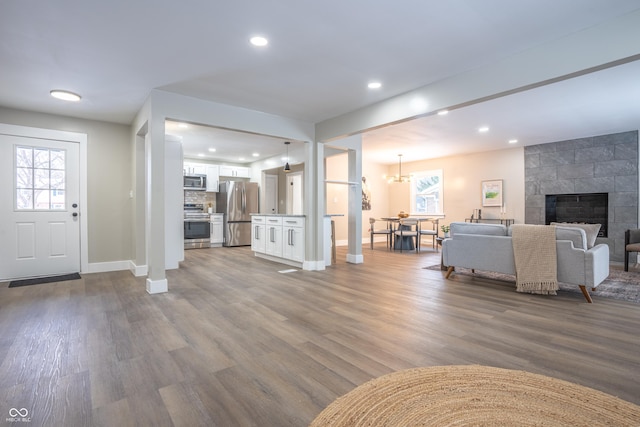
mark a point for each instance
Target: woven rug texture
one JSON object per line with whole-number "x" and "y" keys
{"x": 473, "y": 395}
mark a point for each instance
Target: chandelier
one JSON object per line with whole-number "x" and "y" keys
{"x": 399, "y": 177}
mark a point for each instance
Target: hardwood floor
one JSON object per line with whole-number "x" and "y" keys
{"x": 237, "y": 343}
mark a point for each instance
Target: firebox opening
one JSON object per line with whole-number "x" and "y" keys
{"x": 589, "y": 208}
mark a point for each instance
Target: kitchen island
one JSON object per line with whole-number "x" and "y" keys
{"x": 279, "y": 238}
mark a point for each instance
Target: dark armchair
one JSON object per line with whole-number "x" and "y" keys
{"x": 631, "y": 244}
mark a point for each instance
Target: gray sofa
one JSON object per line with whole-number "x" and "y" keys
{"x": 488, "y": 247}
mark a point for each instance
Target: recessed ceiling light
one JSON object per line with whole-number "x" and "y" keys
{"x": 259, "y": 41}
{"x": 212, "y": 150}
{"x": 483, "y": 129}
{"x": 256, "y": 154}
{"x": 241, "y": 159}
{"x": 513, "y": 141}
{"x": 443, "y": 112}
{"x": 374, "y": 85}
{"x": 65, "y": 95}
{"x": 200, "y": 155}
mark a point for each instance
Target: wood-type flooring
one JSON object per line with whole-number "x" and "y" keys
{"x": 235, "y": 342}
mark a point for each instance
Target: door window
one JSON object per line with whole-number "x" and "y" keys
{"x": 40, "y": 179}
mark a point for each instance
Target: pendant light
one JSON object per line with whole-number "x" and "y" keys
{"x": 286, "y": 166}
{"x": 399, "y": 177}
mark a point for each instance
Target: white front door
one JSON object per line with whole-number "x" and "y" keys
{"x": 40, "y": 197}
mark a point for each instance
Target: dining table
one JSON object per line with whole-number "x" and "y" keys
{"x": 406, "y": 243}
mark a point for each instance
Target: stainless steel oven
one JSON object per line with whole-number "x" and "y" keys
{"x": 197, "y": 227}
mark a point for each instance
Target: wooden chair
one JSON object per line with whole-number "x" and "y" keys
{"x": 631, "y": 244}
{"x": 408, "y": 228}
{"x": 387, "y": 231}
{"x": 432, "y": 231}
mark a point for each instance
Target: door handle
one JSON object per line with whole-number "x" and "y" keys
{"x": 74, "y": 214}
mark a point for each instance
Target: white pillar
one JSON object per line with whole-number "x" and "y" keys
{"x": 354, "y": 254}
{"x": 156, "y": 279}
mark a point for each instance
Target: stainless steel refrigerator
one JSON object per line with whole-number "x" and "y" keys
{"x": 237, "y": 200}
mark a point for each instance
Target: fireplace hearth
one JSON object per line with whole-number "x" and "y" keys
{"x": 589, "y": 208}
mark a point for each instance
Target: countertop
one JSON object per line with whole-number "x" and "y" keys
{"x": 266, "y": 214}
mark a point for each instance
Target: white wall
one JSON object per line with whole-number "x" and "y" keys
{"x": 462, "y": 193}
{"x": 338, "y": 194}
{"x": 109, "y": 180}
{"x": 462, "y": 177}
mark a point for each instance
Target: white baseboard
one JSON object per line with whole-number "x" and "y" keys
{"x": 157, "y": 286}
{"x": 103, "y": 267}
{"x": 314, "y": 265}
{"x": 138, "y": 270}
{"x": 365, "y": 241}
{"x": 355, "y": 259}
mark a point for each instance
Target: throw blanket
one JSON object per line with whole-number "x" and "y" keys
{"x": 534, "y": 250}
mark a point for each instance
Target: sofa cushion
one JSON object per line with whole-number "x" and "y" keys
{"x": 477, "y": 228}
{"x": 591, "y": 231}
{"x": 575, "y": 234}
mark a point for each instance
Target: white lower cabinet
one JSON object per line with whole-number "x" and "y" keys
{"x": 258, "y": 236}
{"x": 217, "y": 230}
{"x": 279, "y": 238}
{"x": 293, "y": 239}
{"x": 274, "y": 236}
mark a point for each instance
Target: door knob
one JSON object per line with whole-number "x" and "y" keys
{"x": 75, "y": 205}
{"x": 74, "y": 214}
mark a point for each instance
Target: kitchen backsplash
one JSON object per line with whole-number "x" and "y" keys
{"x": 205, "y": 198}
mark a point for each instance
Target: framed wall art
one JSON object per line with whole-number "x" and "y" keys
{"x": 492, "y": 193}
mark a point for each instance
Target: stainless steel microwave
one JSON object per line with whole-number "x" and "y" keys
{"x": 195, "y": 182}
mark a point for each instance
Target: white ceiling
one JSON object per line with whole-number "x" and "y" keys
{"x": 320, "y": 57}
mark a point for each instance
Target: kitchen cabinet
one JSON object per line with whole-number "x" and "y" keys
{"x": 235, "y": 171}
{"x": 279, "y": 238}
{"x": 258, "y": 236}
{"x": 217, "y": 230}
{"x": 274, "y": 236}
{"x": 194, "y": 168}
{"x": 293, "y": 238}
{"x": 213, "y": 177}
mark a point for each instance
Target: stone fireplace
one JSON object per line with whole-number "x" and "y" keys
{"x": 606, "y": 164}
{"x": 588, "y": 208}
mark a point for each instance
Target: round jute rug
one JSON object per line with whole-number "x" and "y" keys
{"x": 472, "y": 395}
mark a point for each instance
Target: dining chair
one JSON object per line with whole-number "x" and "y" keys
{"x": 387, "y": 231}
{"x": 408, "y": 230}
{"x": 631, "y": 244}
{"x": 424, "y": 230}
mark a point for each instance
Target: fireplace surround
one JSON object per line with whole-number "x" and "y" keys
{"x": 588, "y": 208}
{"x": 597, "y": 164}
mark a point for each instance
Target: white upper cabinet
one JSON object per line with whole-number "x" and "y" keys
{"x": 194, "y": 168}
{"x": 235, "y": 171}
{"x": 213, "y": 177}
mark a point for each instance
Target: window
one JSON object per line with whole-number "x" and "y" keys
{"x": 40, "y": 179}
{"x": 426, "y": 193}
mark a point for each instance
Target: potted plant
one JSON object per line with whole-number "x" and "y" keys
{"x": 445, "y": 230}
